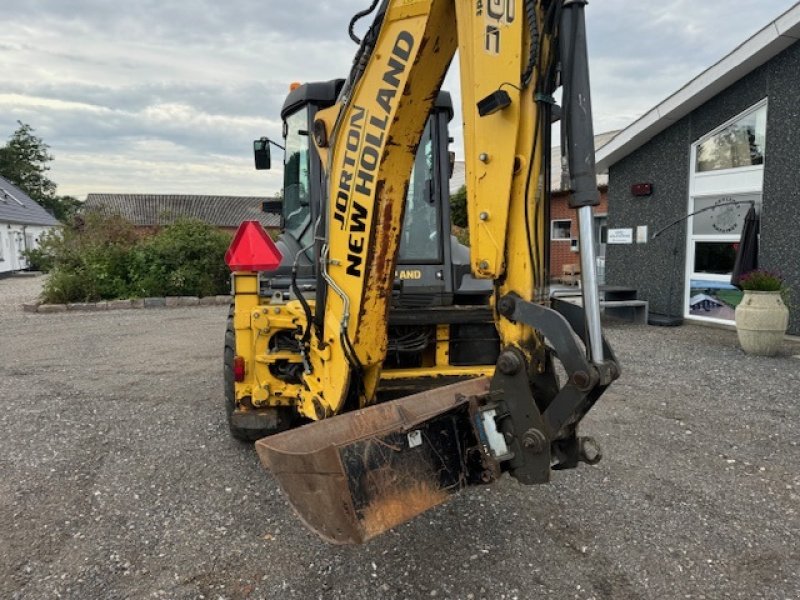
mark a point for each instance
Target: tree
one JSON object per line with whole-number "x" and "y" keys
{"x": 458, "y": 207}
{"x": 24, "y": 161}
{"x": 61, "y": 207}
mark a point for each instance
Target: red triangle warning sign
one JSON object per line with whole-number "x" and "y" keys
{"x": 252, "y": 249}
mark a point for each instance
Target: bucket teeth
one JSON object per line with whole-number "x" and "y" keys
{"x": 357, "y": 475}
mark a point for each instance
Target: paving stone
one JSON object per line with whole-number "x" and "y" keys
{"x": 118, "y": 304}
{"x": 80, "y": 306}
{"x": 188, "y": 301}
{"x": 155, "y": 302}
{"x": 52, "y": 308}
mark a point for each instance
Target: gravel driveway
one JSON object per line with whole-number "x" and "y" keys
{"x": 119, "y": 480}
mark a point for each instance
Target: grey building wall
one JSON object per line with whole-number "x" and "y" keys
{"x": 664, "y": 161}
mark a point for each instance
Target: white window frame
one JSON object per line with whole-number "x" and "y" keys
{"x": 728, "y": 182}
{"x": 553, "y": 238}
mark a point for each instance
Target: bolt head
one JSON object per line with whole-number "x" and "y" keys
{"x": 483, "y": 157}
{"x": 508, "y": 363}
{"x": 506, "y": 306}
{"x": 534, "y": 440}
{"x": 484, "y": 216}
{"x": 581, "y": 379}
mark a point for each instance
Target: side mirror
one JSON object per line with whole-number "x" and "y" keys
{"x": 261, "y": 154}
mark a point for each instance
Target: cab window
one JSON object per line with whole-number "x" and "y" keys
{"x": 419, "y": 240}
{"x": 296, "y": 181}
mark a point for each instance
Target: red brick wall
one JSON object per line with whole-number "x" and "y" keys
{"x": 560, "y": 253}
{"x": 145, "y": 230}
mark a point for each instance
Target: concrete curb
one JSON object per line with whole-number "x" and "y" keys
{"x": 135, "y": 303}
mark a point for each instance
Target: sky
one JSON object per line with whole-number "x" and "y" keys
{"x": 166, "y": 96}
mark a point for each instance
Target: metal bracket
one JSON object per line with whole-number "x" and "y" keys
{"x": 586, "y": 381}
{"x": 520, "y": 421}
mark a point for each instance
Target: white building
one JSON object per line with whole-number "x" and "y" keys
{"x": 22, "y": 223}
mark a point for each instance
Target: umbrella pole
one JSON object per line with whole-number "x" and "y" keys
{"x": 668, "y": 319}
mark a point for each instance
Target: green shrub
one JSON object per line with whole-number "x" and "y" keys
{"x": 89, "y": 259}
{"x": 101, "y": 258}
{"x": 458, "y": 207}
{"x": 184, "y": 259}
{"x": 461, "y": 233}
{"x": 38, "y": 260}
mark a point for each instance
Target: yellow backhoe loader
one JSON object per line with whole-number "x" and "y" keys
{"x": 366, "y": 298}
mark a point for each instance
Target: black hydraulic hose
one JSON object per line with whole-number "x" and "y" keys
{"x": 544, "y": 89}
{"x": 357, "y": 17}
{"x": 533, "y": 53}
{"x": 306, "y": 308}
{"x": 548, "y": 134}
{"x": 365, "y": 49}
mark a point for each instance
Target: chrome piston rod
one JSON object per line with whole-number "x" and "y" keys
{"x": 591, "y": 293}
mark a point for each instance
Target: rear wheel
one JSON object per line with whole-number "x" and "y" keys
{"x": 253, "y": 424}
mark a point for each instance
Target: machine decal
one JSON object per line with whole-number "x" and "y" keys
{"x": 409, "y": 274}
{"x": 364, "y": 146}
{"x": 498, "y": 12}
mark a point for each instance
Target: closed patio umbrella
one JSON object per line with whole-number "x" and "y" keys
{"x": 747, "y": 252}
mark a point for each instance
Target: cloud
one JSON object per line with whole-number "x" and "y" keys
{"x": 167, "y": 96}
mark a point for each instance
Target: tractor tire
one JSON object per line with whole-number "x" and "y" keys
{"x": 279, "y": 419}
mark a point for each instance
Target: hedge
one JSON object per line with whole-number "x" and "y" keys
{"x": 96, "y": 257}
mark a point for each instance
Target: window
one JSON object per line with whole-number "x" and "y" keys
{"x": 561, "y": 230}
{"x": 740, "y": 144}
{"x": 296, "y": 192}
{"x": 714, "y": 257}
{"x": 419, "y": 240}
{"x": 726, "y": 179}
{"x": 713, "y": 240}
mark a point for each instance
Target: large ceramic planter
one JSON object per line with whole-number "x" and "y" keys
{"x": 761, "y": 322}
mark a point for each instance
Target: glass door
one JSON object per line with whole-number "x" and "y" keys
{"x": 714, "y": 238}
{"x": 727, "y": 178}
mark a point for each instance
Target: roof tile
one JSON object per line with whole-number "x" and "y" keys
{"x": 149, "y": 210}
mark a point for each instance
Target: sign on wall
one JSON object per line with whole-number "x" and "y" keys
{"x": 620, "y": 236}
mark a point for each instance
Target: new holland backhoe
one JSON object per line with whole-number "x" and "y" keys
{"x": 366, "y": 298}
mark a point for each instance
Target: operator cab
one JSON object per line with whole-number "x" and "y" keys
{"x": 432, "y": 268}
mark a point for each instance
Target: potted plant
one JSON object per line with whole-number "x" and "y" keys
{"x": 762, "y": 317}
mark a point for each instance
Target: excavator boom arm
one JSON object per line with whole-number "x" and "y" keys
{"x": 368, "y": 141}
{"x": 352, "y": 476}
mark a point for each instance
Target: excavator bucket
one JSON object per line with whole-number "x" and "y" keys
{"x": 357, "y": 475}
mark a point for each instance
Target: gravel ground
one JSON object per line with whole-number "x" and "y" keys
{"x": 119, "y": 480}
